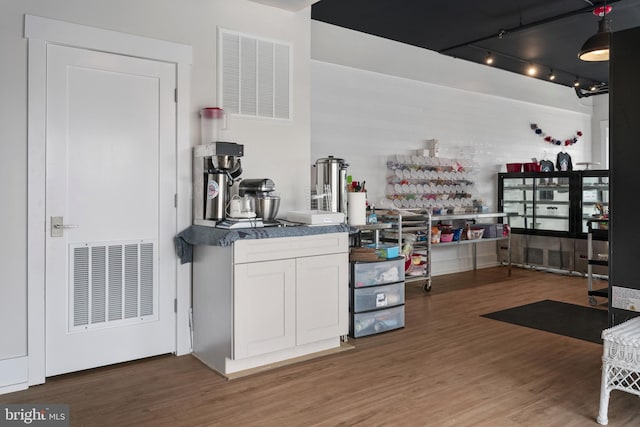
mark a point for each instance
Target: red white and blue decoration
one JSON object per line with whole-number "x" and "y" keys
{"x": 551, "y": 140}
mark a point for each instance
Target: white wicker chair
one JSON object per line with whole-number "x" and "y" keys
{"x": 620, "y": 363}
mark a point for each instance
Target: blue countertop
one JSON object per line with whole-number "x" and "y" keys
{"x": 202, "y": 235}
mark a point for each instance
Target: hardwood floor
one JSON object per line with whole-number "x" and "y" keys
{"x": 447, "y": 367}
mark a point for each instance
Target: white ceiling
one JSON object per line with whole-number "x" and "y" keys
{"x": 292, "y": 5}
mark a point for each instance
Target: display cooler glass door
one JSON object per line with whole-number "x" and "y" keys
{"x": 552, "y": 204}
{"x": 595, "y": 199}
{"x": 518, "y": 198}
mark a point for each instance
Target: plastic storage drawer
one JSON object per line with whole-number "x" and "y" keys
{"x": 375, "y": 298}
{"x": 377, "y": 272}
{"x": 374, "y": 322}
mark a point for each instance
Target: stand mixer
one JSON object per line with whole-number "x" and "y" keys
{"x": 265, "y": 202}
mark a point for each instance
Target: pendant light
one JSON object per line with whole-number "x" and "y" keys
{"x": 596, "y": 48}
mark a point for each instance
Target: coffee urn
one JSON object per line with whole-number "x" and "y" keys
{"x": 330, "y": 178}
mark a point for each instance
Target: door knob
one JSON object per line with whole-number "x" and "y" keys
{"x": 58, "y": 226}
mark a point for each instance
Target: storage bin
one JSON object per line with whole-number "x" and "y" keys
{"x": 531, "y": 167}
{"x": 374, "y": 298}
{"x": 476, "y": 233}
{"x": 446, "y": 237}
{"x": 374, "y": 322}
{"x": 377, "y": 273}
{"x": 514, "y": 167}
{"x": 491, "y": 231}
{"x": 384, "y": 250}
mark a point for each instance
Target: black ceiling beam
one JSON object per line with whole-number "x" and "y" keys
{"x": 504, "y": 32}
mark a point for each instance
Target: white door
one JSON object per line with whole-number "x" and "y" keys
{"x": 110, "y": 183}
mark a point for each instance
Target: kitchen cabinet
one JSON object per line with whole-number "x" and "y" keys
{"x": 264, "y": 301}
{"x": 264, "y": 307}
{"x": 321, "y": 297}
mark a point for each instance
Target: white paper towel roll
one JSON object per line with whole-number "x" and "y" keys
{"x": 357, "y": 208}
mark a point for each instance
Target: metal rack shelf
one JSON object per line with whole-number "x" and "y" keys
{"x": 408, "y": 222}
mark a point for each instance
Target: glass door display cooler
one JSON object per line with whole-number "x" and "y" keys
{"x": 595, "y": 199}
{"x": 552, "y": 204}
{"x": 538, "y": 201}
{"x": 517, "y": 198}
{"x": 551, "y": 213}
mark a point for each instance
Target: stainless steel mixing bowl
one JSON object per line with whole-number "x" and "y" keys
{"x": 267, "y": 207}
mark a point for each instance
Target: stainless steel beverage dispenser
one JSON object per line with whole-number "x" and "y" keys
{"x": 331, "y": 177}
{"x": 215, "y": 167}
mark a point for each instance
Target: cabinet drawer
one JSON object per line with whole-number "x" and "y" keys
{"x": 374, "y": 322}
{"x": 251, "y": 250}
{"x": 374, "y": 298}
{"x": 377, "y": 273}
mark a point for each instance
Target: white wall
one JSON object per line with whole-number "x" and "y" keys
{"x": 478, "y": 113}
{"x": 191, "y": 22}
{"x": 363, "y": 51}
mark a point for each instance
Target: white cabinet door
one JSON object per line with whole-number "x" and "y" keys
{"x": 322, "y": 297}
{"x": 264, "y": 307}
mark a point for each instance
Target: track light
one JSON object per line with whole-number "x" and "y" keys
{"x": 489, "y": 59}
{"x": 600, "y": 89}
{"x": 544, "y": 71}
{"x": 596, "y": 48}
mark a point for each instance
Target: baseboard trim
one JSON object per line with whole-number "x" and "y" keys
{"x": 14, "y": 374}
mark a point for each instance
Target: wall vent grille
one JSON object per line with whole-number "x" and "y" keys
{"x": 255, "y": 76}
{"x": 560, "y": 259}
{"x": 112, "y": 284}
{"x": 535, "y": 256}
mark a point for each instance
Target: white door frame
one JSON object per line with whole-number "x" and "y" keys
{"x": 40, "y": 32}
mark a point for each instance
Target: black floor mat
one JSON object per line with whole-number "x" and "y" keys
{"x": 558, "y": 317}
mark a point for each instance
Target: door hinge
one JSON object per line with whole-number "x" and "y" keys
{"x": 175, "y": 95}
{"x": 175, "y": 305}
{"x": 175, "y": 200}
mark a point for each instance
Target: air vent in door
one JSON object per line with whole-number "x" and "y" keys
{"x": 254, "y": 76}
{"x": 112, "y": 284}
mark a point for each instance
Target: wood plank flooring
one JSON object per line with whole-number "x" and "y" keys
{"x": 447, "y": 367}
